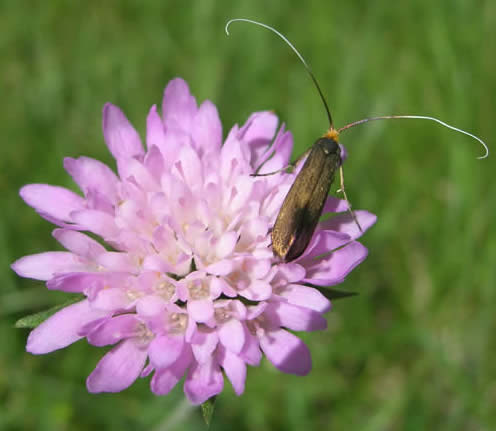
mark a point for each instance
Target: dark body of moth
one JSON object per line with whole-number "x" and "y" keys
{"x": 302, "y": 207}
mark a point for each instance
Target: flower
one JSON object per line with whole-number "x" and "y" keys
{"x": 187, "y": 284}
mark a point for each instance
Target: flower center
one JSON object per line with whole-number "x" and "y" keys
{"x": 178, "y": 323}
{"x": 165, "y": 289}
{"x": 143, "y": 334}
{"x": 222, "y": 315}
{"x": 198, "y": 290}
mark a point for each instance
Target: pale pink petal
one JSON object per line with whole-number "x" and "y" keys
{"x": 232, "y": 335}
{"x": 306, "y": 297}
{"x": 225, "y": 245}
{"x": 287, "y": 352}
{"x": 56, "y": 202}
{"x": 221, "y": 267}
{"x": 235, "y": 369}
{"x": 165, "y": 379}
{"x": 174, "y": 140}
{"x": 178, "y": 106}
{"x": 118, "y": 369}
{"x": 201, "y": 310}
{"x": 251, "y": 353}
{"x": 165, "y": 350}
{"x": 116, "y": 261}
{"x": 294, "y": 317}
{"x": 114, "y": 330}
{"x": 203, "y": 381}
{"x": 140, "y": 175}
{"x": 97, "y": 222}
{"x": 257, "y": 134}
{"x": 112, "y": 299}
{"x": 43, "y": 266}
{"x": 78, "y": 243}
{"x": 207, "y": 128}
{"x": 90, "y": 174}
{"x": 83, "y": 281}
{"x": 345, "y": 223}
{"x": 234, "y": 159}
{"x": 62, "y": 328}
{"x": 189, "y": 166}
{"x": 242, "y": 191}
{"x": 323, "y": 242}
{"x": 155, "y": 132}
{"x": 291, "y": 272}
{"x": 258, "y": 290}
{"x": 203, "y": 344}
{"x": 253, "y": 311}
{"x": 150, "y": 305}
{"x": 335, "y": 205}
{"x": 281, "y": 150}
{"x": 333, "y": 269}
{"x": 120, "y": 136}
{"x": 154, "y": 162}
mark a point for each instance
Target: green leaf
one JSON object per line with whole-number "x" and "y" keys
{"x": 33, "y": 320}
{"x": 207, "y": 409}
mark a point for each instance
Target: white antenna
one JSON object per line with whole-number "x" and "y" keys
{"x": 419, "y": 117}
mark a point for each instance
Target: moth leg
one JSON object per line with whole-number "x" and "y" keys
{"x": 291, "y": 167}
{"x": 343, "y": 191}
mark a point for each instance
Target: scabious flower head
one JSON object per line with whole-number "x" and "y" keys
{"x": 183, "y": 281}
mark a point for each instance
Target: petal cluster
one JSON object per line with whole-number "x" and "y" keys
{"x": 182, "y": 280}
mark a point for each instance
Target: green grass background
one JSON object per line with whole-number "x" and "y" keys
{"x": 416, "y": 349}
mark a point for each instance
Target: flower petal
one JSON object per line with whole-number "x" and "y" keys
{"x": 43, "y": 266}
{"x": 120, "y": 136}
{"x": 112, "y": 299}
{"x": 86, "y": 282}
{"x": 323, "y": 242}
{"x": 306, "y": 297}
{"x": 165, "y": 379}
{"x": 286, "y": 352}
{"x": 114, "y": 330}
{"x": 225, "y": 245}
{"x": 203, "y": 345}
{"x": 232, "y": 335}
{"x": 62, "y": 328}
{"x": 90, "y": 174}
{"x": 178, "y": 106}
{"x": 259, "y": 290}
{"x": 251, "y": 353}
{"x": 294, "y": 317}
{"x": 201, "y": 310}
{"x": 203, "y": 381}
{"x": 56, "y": 202}
{"x": 78, "y": 243}
{"x": 98, "y": 222}
{"x": 155, "y": 131}
{"x": 207, "y": 128}
{"x": 335, "y": 205}
{"x": 165, "y": 350}
{"x": 344, "y": 223}
{"x": 235, "y": 369}
{"x": 333, "y": 268}
{"x": 257, "y": 133}
{"x": 118, "y": 369}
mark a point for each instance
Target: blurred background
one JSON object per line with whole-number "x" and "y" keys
{"x": 415, "y": 350}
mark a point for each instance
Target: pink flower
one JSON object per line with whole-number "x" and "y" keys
{"x": 187, "y": 284}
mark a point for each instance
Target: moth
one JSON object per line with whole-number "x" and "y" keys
{"x": 302, "y": 207}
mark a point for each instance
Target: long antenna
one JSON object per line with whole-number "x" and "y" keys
{"x": 418, "y": 117}
{"x": 365, "y": 120}
{"x": 307, "y": 67}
